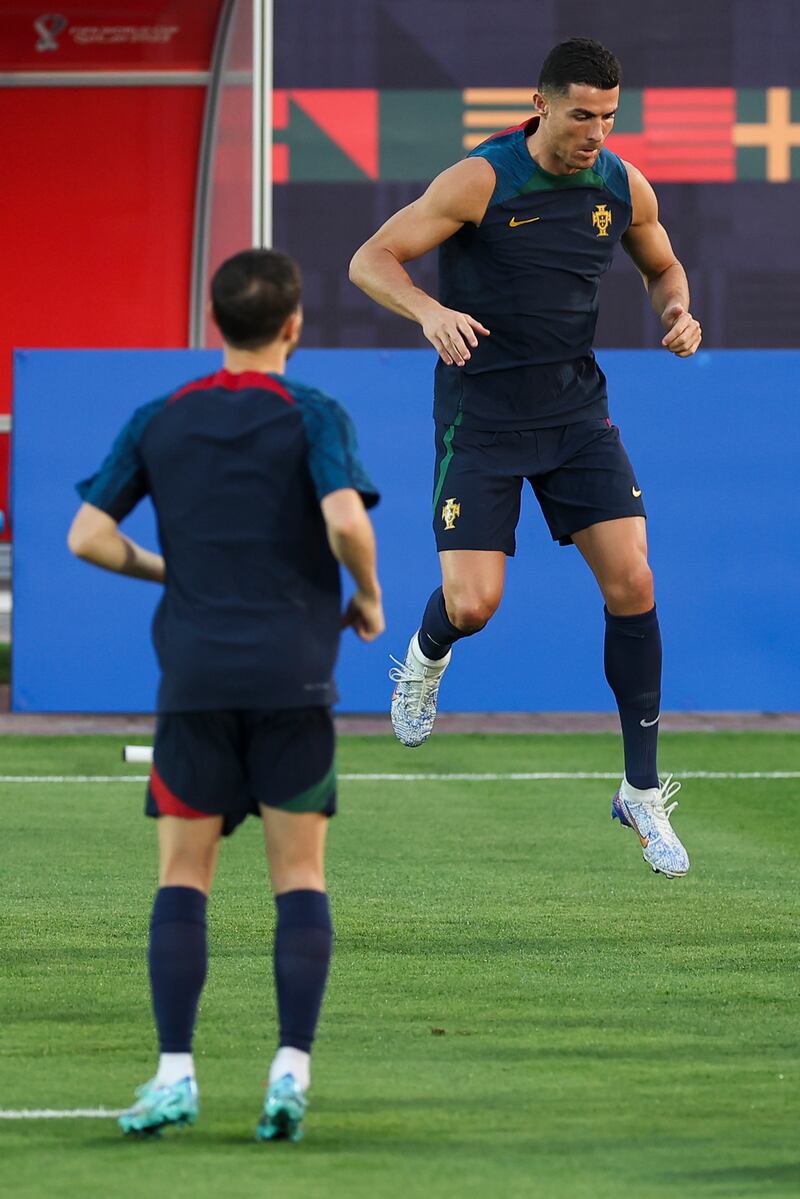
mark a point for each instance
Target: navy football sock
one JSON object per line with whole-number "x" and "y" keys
{"x": 436, "y": 633}
{"x": 178, "y": 957}
{"x": 303, "y": 941}
{"x": 633, "y": 670}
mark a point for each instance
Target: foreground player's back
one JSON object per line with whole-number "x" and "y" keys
{"x": 235, "y": 463}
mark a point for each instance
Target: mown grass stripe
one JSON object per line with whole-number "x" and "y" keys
{"x": 541, "y": 776}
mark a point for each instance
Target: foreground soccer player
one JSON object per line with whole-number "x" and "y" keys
{"x": 527, "y": 224}
{"x": 259, "y": 494}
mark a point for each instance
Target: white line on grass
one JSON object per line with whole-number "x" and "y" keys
{"x": 47, "y": 1113}
{"x": 511, "y": 777}
{"x": 554, "y": 775}
{"x": 73, "y": 778}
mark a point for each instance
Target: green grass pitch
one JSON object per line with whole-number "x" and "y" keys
{"x": 518, "y": 1007}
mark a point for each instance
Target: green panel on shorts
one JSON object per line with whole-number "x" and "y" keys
{"x": 448, "y": 441}
{"x": 315, "y": 798}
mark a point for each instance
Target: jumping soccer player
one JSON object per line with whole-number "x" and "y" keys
{"x": 259, "y": 494}
{"x": 527, "y": 225}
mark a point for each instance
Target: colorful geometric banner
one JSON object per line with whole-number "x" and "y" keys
{"x": 674, "y": 135}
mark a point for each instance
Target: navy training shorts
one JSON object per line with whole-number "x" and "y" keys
{"x": 580, "y": 474}
{"x": 230, "y": 763}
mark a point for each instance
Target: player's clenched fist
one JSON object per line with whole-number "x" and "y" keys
{"x": 364, "y": 614}
{"x": 684, "y": 334}
{"x": 452, "y": 334}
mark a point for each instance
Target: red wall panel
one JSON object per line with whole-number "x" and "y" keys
{"x": 97, "y": 232}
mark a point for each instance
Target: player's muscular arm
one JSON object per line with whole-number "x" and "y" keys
{"x": 95, "y": 537}
{"x": 665, "y": 279}
{"x": 459, "y": 195}
{"x": 352, "y": 542}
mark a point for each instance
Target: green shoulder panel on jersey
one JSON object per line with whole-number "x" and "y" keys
{"x": 121, "y": 481}
{"x": 543, "y": 181}
{"x": 608, "y": 174}
{"x": 333, "y": 454}
{"x": 518, "y": 174}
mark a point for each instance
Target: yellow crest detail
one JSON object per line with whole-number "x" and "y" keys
{"x": 601, "y": 219}
{"x": 450, "y": 512}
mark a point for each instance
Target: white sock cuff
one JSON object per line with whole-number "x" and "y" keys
{"x": 425, "y": 661}
{"x": 296, "y": 1062}
{"x": 172, "y": 1067}
{"x": 636, "y": 792}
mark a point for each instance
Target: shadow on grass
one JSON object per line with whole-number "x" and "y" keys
{"x": 376, "y": 1129}
{"x": 735, "y": 1176}
{"x": 315, "y": 1145}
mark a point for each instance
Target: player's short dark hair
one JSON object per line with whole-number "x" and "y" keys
{"x": 579, "y": 60}
{"x": 252, "y": 294}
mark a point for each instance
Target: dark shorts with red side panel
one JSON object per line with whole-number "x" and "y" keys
{"x": 580, "y": 474}
{"x": 232, "y": 763}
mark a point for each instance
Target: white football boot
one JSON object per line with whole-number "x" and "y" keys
{"x": 415, "y": 695}
{"x": 647, "y": 814}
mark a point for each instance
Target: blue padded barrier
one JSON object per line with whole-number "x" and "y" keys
{"x": 716, "y": 444}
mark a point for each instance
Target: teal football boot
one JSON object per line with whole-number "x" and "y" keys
{"x": 157, "y": 1107}
{"x": 284, "y": 1108}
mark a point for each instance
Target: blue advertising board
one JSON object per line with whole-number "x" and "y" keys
{"x": 715, "y": 440}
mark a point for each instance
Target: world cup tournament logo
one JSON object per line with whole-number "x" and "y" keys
{"x": 49, "y": 26}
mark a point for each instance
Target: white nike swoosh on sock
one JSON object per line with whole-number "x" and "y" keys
{"x": 646, "y": 724}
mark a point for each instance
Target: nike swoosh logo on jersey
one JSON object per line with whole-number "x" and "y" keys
{"x": 636, "y": 492}
{"x": 514, "y": 222}
{"x": 648, "y": 724}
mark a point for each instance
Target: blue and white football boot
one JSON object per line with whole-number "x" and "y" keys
{"x": 157, "y": 1107}
{"x": 416, "y": 693}
{"x": 284, "y": 1107}
{"x": 646, "y": 812}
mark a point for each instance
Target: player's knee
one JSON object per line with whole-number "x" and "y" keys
{"x": 298, "y": 878}
{"x": 631, "y": 591}
{"x": 183, "y": 865}
{"x": 470, "y": 614}
{"x": 297, "y": 871}
{"x": 197, "y": 873}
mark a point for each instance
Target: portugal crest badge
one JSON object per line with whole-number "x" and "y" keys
{"x": 450, "y": 513}
{"x": 601, "y": 219}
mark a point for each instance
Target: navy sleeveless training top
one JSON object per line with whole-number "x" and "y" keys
{"x": 530, "y": 272}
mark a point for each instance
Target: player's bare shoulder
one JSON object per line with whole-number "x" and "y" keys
{"x": 644, "y": 205}
{"x": 462, "y": 192}
{"x": 458, "y": 196}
